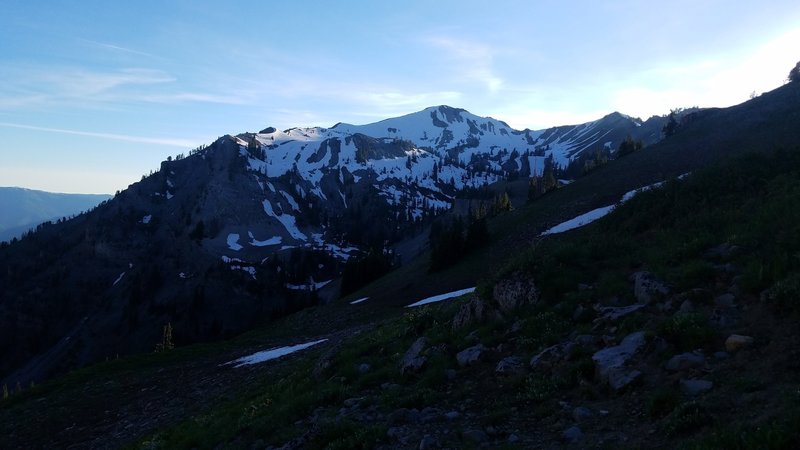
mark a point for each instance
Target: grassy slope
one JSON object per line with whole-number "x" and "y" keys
{"x": 667, "y": 230}
{"x": 762, "y": 124}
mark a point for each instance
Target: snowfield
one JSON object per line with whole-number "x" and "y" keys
{"x": 233, "y": 242}
{"x": 579, "y": 221}
{"x": 591, "y": 216}
{"x": 440, "y": 297}
{"x": 273, "y": 353}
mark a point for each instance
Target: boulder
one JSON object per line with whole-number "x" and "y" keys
{"x": 552, "y": 355}
{"x": 611, "y": 362}
{"x": 412, "y": 360}
{"x": 647, "y": 288}
{"x": 686, "y": 361}
{"x": 471, "y": 355}
{"x": 515, "y": 291}
{"x": 475, "y": 311}
{"x": 510, "y": 366}
{"x": 694, "y": 388}
{"x": 736, "y": 342}
{"x": 615, "y": 312}
{"x": 572, "y": 434}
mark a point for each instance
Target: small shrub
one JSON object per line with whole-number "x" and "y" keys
{"x": 687, "y": 418}
{"x": 539, "y": 387}
{"x": 687, "y": 331}
{"x": 785, "y": 294}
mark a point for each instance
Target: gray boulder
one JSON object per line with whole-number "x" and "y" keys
{"x": 515, "y": 291}
{"x": 686, "y": 361}
{"x": 611, "y": 362}
{"x": 471, "y": 355}
{"x": 647, "y": 288}
{"x": 694, "y": 388}
{"x": 412, "y": 360}
{"x": 475, "y": 311}
{"x": 510, "y": 366}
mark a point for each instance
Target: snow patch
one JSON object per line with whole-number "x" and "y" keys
{"x": 146, "y": 219}
{"x": 440, "y": 297}
{"x": 275, "y": 240}
{"x": 273, "y": 353}
{"x": 233, "y": 242}
{"x": 308, "y": 287}
{"x": 287, "y": 220}
{"x": 291, "y": 201}
{"x": 579, "y": 221}
{"x": 355, "y": 302}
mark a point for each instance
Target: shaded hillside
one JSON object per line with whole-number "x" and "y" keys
{"x": 22, "y": 209}
{"x": 252, "y": 227}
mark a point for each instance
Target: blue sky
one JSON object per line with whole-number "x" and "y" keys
{"x": 93, "y": 94}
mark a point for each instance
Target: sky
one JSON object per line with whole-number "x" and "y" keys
{"x": 94, "y": 94}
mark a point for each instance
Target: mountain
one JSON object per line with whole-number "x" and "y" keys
{"x": 23, "y": 209}
{"x": 669, "y": 323}
{"x": 589, "y": 336}
{"x": 258, "y": 225}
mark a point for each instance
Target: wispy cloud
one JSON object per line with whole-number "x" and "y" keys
{"x": 173, "y": 142}
{"x": 472, "y": 60}
{"x": 195, "y": 97}
{"x": 31, "y": 86}
{"x": 117, "y": 48}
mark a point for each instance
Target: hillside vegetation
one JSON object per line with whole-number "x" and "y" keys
{"x": 671, "y": 274}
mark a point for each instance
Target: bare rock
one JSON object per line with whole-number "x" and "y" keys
{"x": 647, "y": 288}
{"x": 510, "y": 366}
{"x": 611, "y": 362}
{"x": 686, "y": 361}
{"x": 615, "y": 312}
{"x": 694, "y": 388}
{"x": 475, "y": 311}
{"x": 552, "y": 355}
{"x": 412, "y": 360}
{"x": 471, "y": 355}
{"x": 736, "y": 342}
{"x": 572, "y": 434}
{"x": 515, "y": 291}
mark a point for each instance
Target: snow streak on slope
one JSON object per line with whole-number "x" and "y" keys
{"x": 438, "y": 298}
{"x": 273, "y": 353}
{"x": 579, "y": 221}
{"x": 287, "y": 220}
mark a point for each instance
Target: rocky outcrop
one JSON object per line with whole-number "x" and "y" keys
{"x": 736, "y": 342}
{"x": 611, "y": 363}
{"x": 515, "y": 291}
{"x": 471, "y": 355}
{"x": 412, "y": 360}
{"x": 475, "y": 311}
{"x": 647, "y": 287}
